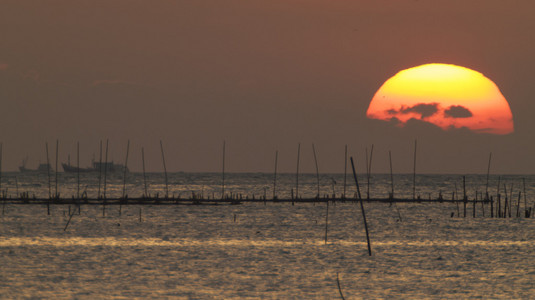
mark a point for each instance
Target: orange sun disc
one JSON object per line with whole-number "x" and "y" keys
{"x": 447, "y": 96}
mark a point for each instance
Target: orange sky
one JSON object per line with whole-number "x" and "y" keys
{"x": 262, "y": 75}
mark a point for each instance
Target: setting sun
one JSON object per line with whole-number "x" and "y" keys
{"x": 447, "y": 96}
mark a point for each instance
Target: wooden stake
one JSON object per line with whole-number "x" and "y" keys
{"x": 414, "y": 173}
{"x": 465, "y": 199}
{"x": 297, "y": 173}
{"x": 1, "y": 192}
{"x": 49, "y": 187}
{"x": 1, "y": 154}
{"x": 70, "y": 217}
{"x": 144, "y": 174}
{"x": 57, "y": 150}
{"x": 457, "y": 202}
{"x": 100, "y": 170}
{"x": 125, "y": 168}
{"x": 392, "y": 185}
{"x": 106, "y": 168}
{"x": 491, "y": 207}
{"x": 511, "y": 201}
{"x": 339, "y": 288}
{"x": 526, "y": 214}
{"x": 78, "y": 170}
{"x": 165, "y": 171}
{"x": 223, "y": 173}
{"x": 488, "y": 173}
{"x": 369, "y": 172}
{"x": 498, "y": 206}
{"x": 483, "y": 204}
{"x": 367, "y": 175}
{"x": 317, "y": 171}
{"x": 506, "y": 205}
{"x": 391, "y": 174}
{"x": 361, "y": 207}
{"x": 474, "y": 207}
{"x": 518, "y": 205}
{"x": 275, "y": 176}
{"x": 326, "y": 222}
{"x": 124, "y": 178}
{"x": 345, "y": 172}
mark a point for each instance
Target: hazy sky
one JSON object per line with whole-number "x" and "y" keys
{"x": 262, "y": 75}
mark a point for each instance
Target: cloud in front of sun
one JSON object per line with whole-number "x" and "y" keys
{"x": 445, "y": 95}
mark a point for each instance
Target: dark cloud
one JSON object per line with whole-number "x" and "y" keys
{"x": 425, "y": 110}
{"x": 457, "y": 111}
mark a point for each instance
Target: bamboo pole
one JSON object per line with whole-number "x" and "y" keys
{"x": 106, "y": 168}
{"x": 367, "y": 175}
{"x": 1, "y": 192}
{"x": 361, "y": 207}
{"x": 57, "y": 150}
{"x": 506, "y": 205}
{"x": 498, "y": 205}
{"x": 49, "y": 187}
{"x": 165, "y": 172}
{"x": 77, "y": 170}
{"x": 474, "y": 207}
{"x": 483, "y": 204}
{"x": 70, "y": 217}
{"x": 488, "y": 173}
{"x": 369, "y": 172}
{"x": 465, "y": 199}
{"x": 339, "y": 288}
{"x": 223, "y": 173}
{"x": 345, "y": 173}
{"x": 414, "y": 173}
{"x": 457, "y": 202}
{"x": 125, "y": 168}
{"x": 144, "y": 174}
{"x": 518, "y": 205}
{"x": 524, "y": 188}
{"x": 99, "y": 170}
{"x": 391, "y": 174}
{"x": 275, "y": 175}
{"x": 491, "y": 207}
{"x": 392, "y": 186}
{"x": 297, "y": 172}
{"x": 1, "y": 154}
{"x": 326, "y": 221}
{"x": 124, "y": 178}
{"x": 511, "y": 201}
{"x": 317, "y": 171}
{"x": 105, "y": 179}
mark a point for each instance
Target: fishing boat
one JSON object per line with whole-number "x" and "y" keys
{"x": 42, "y": 168}
{"x": 108, "y": 167}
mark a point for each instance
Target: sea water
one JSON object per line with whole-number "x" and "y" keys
{"x": 266, "y": 250}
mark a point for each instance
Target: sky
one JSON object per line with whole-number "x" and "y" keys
{"x": 260, "y": 75}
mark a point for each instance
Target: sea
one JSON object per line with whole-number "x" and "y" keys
{"x": 268, "y": 250}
